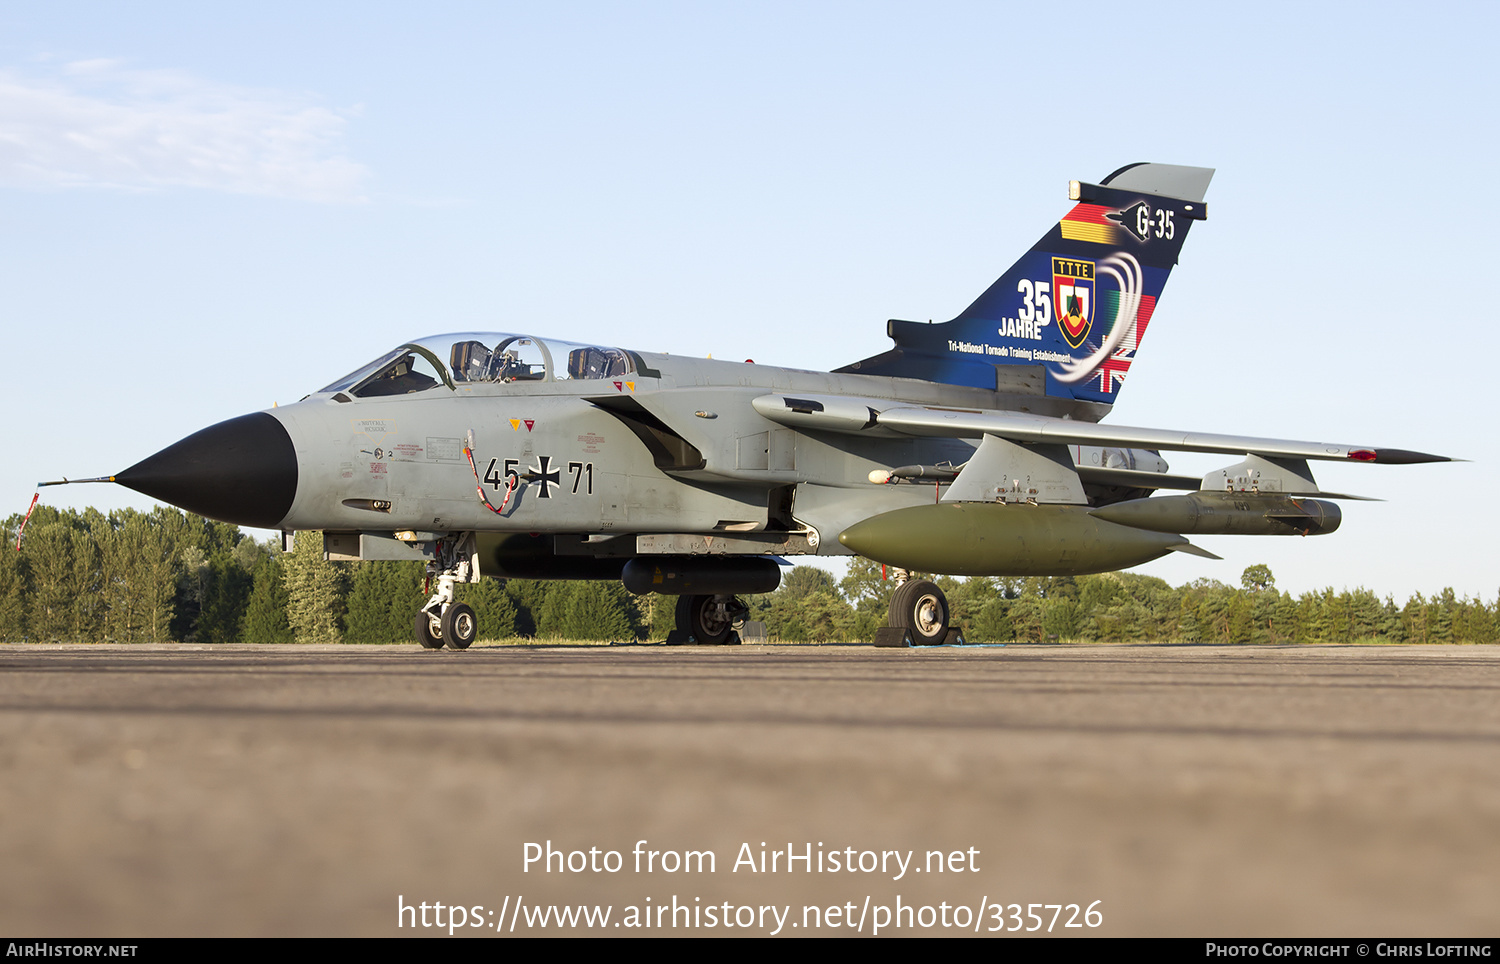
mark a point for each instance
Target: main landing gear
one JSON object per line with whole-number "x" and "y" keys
{"x": 442, "y": 621}
{"x": 918, "y": 615}
{"x": 708, "y": 620}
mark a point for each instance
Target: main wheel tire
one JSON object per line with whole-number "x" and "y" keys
{"x": 460, "y": 626}
{"x": 429, "y": 631}
{"x": 921, "y": 607}
{"x": 701, "y": 617}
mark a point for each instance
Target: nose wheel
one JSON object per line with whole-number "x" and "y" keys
{"x": 456, "y": 627}
{"x": 429, "y": 630}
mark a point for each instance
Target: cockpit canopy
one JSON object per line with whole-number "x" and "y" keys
{"x": 481, "y": 357}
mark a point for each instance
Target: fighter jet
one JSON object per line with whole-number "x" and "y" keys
{"x": 970, "y": 447}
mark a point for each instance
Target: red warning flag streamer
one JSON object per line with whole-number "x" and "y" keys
{"x": 19, "y": 532}
{"x": 479, "y": 486}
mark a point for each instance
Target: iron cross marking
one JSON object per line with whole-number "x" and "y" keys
{"x": 547, "y": 478}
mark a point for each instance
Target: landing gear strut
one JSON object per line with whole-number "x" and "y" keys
{"x": 442, "y": 621}
{"x": 710, "y": 620}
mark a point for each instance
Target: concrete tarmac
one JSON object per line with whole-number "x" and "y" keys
{"x": 1173, "y": 790}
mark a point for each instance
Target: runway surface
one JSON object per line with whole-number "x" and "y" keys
{"x": 1212, "y": 791}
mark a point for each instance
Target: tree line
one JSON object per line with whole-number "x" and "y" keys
{"x": 164, "y": 575}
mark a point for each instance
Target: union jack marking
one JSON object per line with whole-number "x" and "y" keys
{"x": 1114, "y": 369}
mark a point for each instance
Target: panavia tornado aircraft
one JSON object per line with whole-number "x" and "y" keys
{"x": 971, "y": 447}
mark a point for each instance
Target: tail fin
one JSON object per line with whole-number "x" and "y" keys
{"x": 1076, "y": 306}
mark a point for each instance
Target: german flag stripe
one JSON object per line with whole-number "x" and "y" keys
{"x": 1086, "y": 222}
{"x": 1097, "y": 233}
{"x": 1088, "y": 214}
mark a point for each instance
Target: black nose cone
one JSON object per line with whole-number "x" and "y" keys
{"x": 242, "y": 471}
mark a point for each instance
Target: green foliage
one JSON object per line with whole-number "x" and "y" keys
{"x": 130, "y": 576}
{"x": 657, "y": 615}
{"x": 383, "y": 601}
{"x": 491, "y": 603}
{"x": 528, "y": 596}
{"x": 1257, "y": 578}
{"x": 868, "y": 588}
{"x": 578, "y": 609}
{"x": 265, "y": 619}
{"x": 1061, "y": 618}
{"x": 312, "y": 588}
{"x": 806, "y": 580}
{"x": 87, "y": 575}
{"x": 12, "y": 586}
{"x": 808, "y": 607}
{"x": 993, "y": 625}
{"x": 817, "y": 617}
{"x": 51, "y": 612}
{"x": 1026, "y": 619}
{"x": 213, "y": 583}
{"x": 227, "y": 586}
{"x": 867, "y": 582}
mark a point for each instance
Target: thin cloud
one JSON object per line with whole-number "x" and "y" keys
{"x": 98, "y": 124}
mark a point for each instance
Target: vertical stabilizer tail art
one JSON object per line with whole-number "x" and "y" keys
{"x": 1068, "y": 317}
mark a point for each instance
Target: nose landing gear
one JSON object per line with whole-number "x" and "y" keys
{"x": 442, "y": 621}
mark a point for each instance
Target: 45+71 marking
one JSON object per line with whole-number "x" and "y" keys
{"x": 542, "y": 472}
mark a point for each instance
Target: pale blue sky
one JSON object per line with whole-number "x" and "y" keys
{"x": 208, "y": 209}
